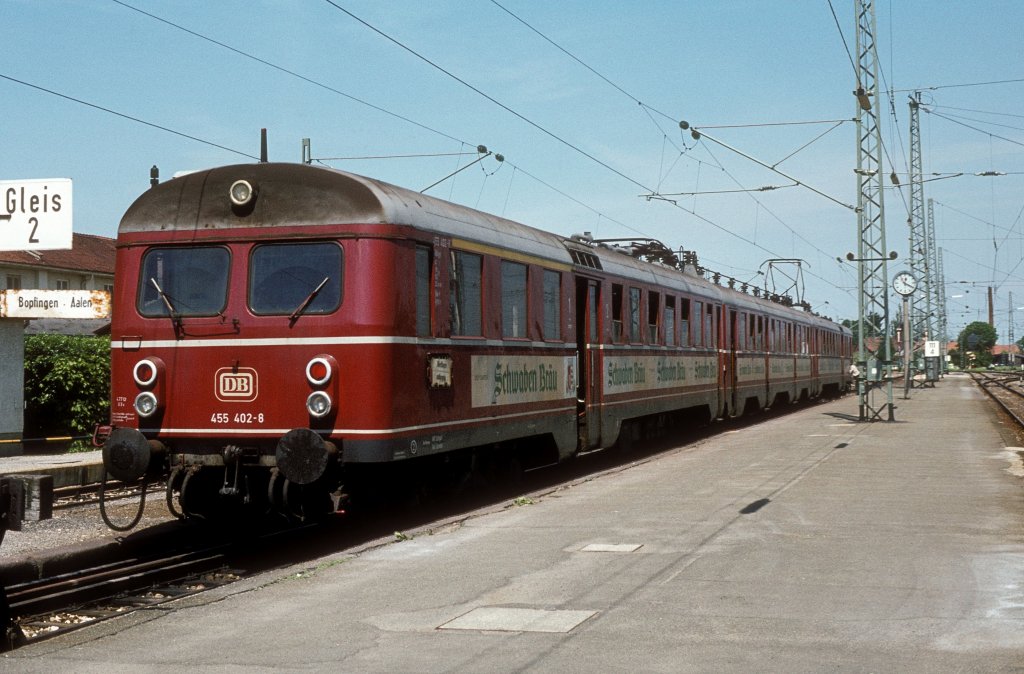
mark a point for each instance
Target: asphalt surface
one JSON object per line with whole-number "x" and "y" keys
{"x": 810, "y": 542}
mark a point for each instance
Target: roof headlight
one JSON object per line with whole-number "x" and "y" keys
{"x": 242, "y": 193}
{"x": 146, "y": 404}
{"x": 318, "y": 404}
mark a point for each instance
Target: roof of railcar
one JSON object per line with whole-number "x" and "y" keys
{"x": 300, "y": 195}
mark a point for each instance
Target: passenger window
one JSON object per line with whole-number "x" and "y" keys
{"x": 187, "y": 281}
{"x": 684, "y": 322}
{"x": 670, "y": 321}
{"x": 552, "y": 305}
{"x": 513, "y": 299}
{"x": 465, "y": 294}
{"x": 698, "y": 313}
{"x": 653, "y": 305}
{"x": 192, "y": 281}
{"x": 285, "y": 276}
{"x": 617, "y": 317}
{"x": 634, "y": 314}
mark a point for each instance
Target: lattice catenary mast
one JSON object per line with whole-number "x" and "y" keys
{"x": 920, "y": 302}
{"x": 874, "y": 350}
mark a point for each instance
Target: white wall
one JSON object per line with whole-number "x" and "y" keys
{"x": 12, "y": 378}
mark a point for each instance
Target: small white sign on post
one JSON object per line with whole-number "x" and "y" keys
{"x": 54, "y": 304}
{"x": 35, "y": 214}
{"x": 931, "y": 349}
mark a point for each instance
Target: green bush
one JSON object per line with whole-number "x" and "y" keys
{"x": 67, "y": 384}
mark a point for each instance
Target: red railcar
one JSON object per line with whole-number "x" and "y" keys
{"x": 281, "y": 329}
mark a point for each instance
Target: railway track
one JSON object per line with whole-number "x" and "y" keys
{"x": 1007, "y": 389}
{"x": 211, "y": 557}
{"x": 56, "y": 605}
{"x": 65, "y": 498}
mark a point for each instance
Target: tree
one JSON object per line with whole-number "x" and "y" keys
{"x": 872, "y": 325}
{"x": 67, "y": 384}
{"x": 978, "y": 338}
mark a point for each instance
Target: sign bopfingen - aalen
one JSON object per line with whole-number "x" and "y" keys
{"x": 54, "y": 304}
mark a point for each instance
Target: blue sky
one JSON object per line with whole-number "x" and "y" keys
{"x": 713, "y": 64}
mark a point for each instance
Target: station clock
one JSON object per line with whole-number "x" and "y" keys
{"x": 904, "y": 283}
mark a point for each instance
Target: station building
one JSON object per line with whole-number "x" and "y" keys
{"x": 89, "y": 265}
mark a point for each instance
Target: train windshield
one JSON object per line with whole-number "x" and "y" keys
{"x": 295, "y": 278}
{"x": 184, "y": 282}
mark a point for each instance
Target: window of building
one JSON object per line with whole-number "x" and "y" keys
{"x": 14, "y": 281}
{"x": 465, "y": 293}
{"x": 513, "y": 299}
{"x": 552, "y": 305}
{"x": 62, "y": 284}
{"x": 423, "y": 293}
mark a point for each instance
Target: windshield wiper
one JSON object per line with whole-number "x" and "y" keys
{"x": 306, "y": 302}
{"x": 175, "y": 316}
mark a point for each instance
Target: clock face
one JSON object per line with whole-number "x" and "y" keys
{"x": 904, "y": 283}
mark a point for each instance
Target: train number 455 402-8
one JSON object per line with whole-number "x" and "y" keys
{"x": 238, "y": 418}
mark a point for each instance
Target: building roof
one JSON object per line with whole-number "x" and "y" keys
{"x": 90, "y": 253}
{"x": 996, "y": 349}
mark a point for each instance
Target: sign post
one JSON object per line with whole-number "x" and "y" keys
{"x": 35, "y": 214}
{"x": 932, "y": 362}
{"x": 54, "y": 304}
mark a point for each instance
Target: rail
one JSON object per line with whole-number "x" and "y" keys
{"x": 1005, "y": 389}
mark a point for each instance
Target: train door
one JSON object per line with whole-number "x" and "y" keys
{"x": 731, "y": 347}
{"x": 724, "y": 337}
{"x": 588, "y": 332}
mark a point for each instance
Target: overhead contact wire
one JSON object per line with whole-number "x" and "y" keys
{"x": 288, "y": 72}
{"x": 487, "y": 96}
{"x": 125, "y": 116}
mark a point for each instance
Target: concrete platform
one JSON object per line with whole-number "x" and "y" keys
{"x": 68, "y": 470}
{"x": 810, "y": 542}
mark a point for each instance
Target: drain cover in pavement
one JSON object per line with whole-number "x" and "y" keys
{"x": 493, "y": 618}
{"x": 611, "y": 547}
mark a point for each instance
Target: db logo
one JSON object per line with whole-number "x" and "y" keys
{"x": 240, "y": 386}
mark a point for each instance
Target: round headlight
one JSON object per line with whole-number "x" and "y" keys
{"x": 146, "y": 404}
{"x": 144, "y": 372}
{"x": 318, "y": 404}
{"x": 241, "y": 192}
{"x": 318, "y": 371}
